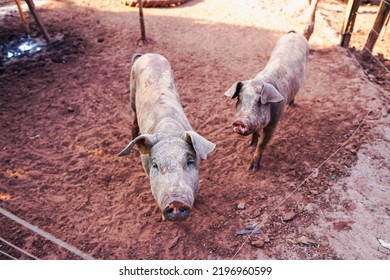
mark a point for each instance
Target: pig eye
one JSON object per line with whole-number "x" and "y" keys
{"x": 191, "y": 162}
{"x": 154, "y": 165}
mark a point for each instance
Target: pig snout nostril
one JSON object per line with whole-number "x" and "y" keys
{"x": 176, "y": 211}
{"x": 184, "y": 212}
{"x": 170, "y": 216}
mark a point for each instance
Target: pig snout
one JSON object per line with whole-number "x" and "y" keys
{"x": 177, "y": 206}
{"x": 242, "y": 127}
{"x": 176, "y": 210}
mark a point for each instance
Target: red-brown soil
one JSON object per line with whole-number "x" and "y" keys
{"x": 65, "y": 114}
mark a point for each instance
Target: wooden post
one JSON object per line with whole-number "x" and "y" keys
{"x": 38, "y": 20}
{"x": 349, "y": 21}
{"x": 380, "y": 20}
{"x": 24, "y": 21}
{"x": 141, "y": 20}
{"x": 384, "y": 31}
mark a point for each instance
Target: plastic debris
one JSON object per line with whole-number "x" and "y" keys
{"x": 249, "y": 229}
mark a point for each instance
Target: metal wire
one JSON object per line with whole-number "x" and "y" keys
{"x": 19, "y": 249}
{"x": 46, "y": 235}
{"x": 380, "y": 62}
{"x": 4, "y": 253}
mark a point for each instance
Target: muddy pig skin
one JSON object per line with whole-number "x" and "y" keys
{"x": 261, "y": 100}
{"x": 169, "y": 148}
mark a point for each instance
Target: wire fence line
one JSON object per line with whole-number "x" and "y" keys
{"x": 376, "y": 59}
{"x": 19, "y": 249}
{"x": 46, "y": 235}
{"x": 9, "y": 256}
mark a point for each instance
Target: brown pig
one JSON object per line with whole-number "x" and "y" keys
{"x": 170, "y": 149}
{"x": 261, "y": 100}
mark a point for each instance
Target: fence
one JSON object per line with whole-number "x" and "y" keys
{"x": 376, "y": 46}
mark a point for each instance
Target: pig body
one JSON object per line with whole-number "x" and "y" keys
{"x": 261, "y": 100}
{"x": 170, "y": 149}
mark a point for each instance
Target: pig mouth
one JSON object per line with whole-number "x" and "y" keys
{"x": 176, "y": 211}
{"x": 241, "y": 128}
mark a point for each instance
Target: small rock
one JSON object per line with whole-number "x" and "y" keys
{"x": 269, "y": 253}
{"x": 314, "y": 192}
{"x": 71, "y": 110}
{"x": 384, "y": 243}
{"x": 241, "y": 206}
{"x": 353, "y": 151}
{"x": 174, "y": 242}
{"x": 307, "y": 167}
{"x": 256, "y": 213}
{"x": 304, "y": 241}
{"x": 307, "y": 241}
{"x": 288, "y": 216}
{"x": 257, "y": 243}
{"x": 265, "y": 237}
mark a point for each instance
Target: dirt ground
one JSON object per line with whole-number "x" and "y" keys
{"x": 65, "y": 114}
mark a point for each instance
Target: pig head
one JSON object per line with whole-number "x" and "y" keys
{"x": 170, "y": 150}
{"x": 256, "y": 102}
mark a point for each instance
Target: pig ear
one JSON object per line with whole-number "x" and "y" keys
{"x": 144, "y": 144}
{"x": 270, "y": 94}
{"x": 201, "y": 145}
{"x": 234, "y": 90}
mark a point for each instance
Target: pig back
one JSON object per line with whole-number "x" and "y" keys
{"x": 157, "y": 100}
{"x": 286, "y": 67}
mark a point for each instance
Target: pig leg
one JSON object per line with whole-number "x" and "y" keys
{"x": 135, "y": 130}
{"x": 255, "y": 139}
{"x": 267, "y": 135}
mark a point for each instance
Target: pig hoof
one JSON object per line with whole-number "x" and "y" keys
{"x": 254, "y": 167}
